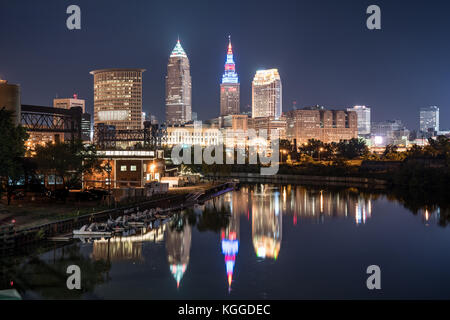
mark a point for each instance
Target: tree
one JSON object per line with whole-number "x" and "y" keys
{"x": 67, "y": 160}
{"x": 12, "y": 150}
{"x": 353, "y": 148}
{"x": 391, "y": 153}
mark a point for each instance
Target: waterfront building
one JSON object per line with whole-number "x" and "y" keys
{"x": 267, "y": 94}
{"x": 129, "y": 168}
{"x": 189, "y": 134}
{"x": 118, "y": 98}
{"x": 320, "y": 124}
{"x": 363, "y": 118}
{"x": 178, "y": 87}
{"x": 230, "y": 87}
{"x": 429, "y": 120}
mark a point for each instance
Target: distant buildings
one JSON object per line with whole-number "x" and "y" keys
{"x": 10, "y": 99}
{"x": 429, "y": 120}
{"x": 67, "y": 103}
{"x": 230, "y": 87}
{"x": 320, "y": 124}
{"x": 269, "y": 124}
{"x": 267, "y": 94}
{"x": 178, "y": 87}
{"x": 118, "y": 98}
{"x": 363, "y": 114}
{"x": 389, "y": 132}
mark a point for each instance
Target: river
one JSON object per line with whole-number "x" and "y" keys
{"x": 259, "y": 242}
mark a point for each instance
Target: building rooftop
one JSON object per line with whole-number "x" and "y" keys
{"x": 116, "y": 69}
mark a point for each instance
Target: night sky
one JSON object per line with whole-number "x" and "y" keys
{"x": 322, "y": 48}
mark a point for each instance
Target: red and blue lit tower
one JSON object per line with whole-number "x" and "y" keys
{"x": 230, "y": 248}
{"x": 229, "y": 88}
{"x": 230, "y": 75}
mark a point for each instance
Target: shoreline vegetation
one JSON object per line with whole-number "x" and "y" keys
{"x": 349, "y": 161}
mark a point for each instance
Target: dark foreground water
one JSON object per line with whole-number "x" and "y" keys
{"x": 261, "y": 242}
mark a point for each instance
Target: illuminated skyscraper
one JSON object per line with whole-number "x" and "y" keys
{"x": 178, "y": 87}
{"x": 429, "y": 119}
{"x": 118, "y": 98}
{"x": 266, "y": 94}
{"x": 363, "y": 118}
{"x": 230, "y": 87}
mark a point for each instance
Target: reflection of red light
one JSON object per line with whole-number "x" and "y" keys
{"x": 295, "y": 220}
{"x": 222, "y": 235}
{"x": 232, "y": 236}
{"x": 12, "y": 283}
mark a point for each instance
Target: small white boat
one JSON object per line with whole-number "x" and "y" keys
{"x": 91, "y": 230}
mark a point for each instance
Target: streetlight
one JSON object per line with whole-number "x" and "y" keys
{"x": 284, "y": 151}
{"x": 152, "y": 170}
{"x": 321, "y": 149}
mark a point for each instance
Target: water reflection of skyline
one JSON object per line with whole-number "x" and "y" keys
{"x": 252, "y": 215}
{"x": 263, "y": 206}
{"x": 178, "y": 247}
{"x": 127, "y": 247}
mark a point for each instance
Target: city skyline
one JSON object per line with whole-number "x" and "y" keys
{"x": 336, "y": 79}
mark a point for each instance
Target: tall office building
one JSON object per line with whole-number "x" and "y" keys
{"x": 230, "y": 87}
{"x": 429, "y": 119}
{"x": 178, "y": 87}
{"x": 363, "y": 115}
{"x": 67, "y": 103}
{"x": 266, "y": 94}
{"x": 118, "y": 98}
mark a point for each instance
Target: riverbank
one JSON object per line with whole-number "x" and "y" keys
{"x": 304, "y": 179}
{"x": 19, "y": 235}
{"x": 28, "y": 214}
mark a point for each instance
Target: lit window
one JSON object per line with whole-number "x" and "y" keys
{"x": 132, "y": 168}
{"x": 123, "y": 168}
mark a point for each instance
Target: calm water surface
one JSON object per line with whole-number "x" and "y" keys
{"x": 260, "y": 242}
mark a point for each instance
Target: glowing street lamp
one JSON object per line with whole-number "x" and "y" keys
{"x": 320, "y": 150}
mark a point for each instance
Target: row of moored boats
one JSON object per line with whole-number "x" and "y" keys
{"x": 126, "y": 224}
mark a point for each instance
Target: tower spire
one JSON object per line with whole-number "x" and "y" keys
{"x": 230, "y": 75}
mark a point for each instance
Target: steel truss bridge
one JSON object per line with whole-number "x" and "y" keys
{"x": 54, "y": 120}
{"x": 151, "y": 137}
